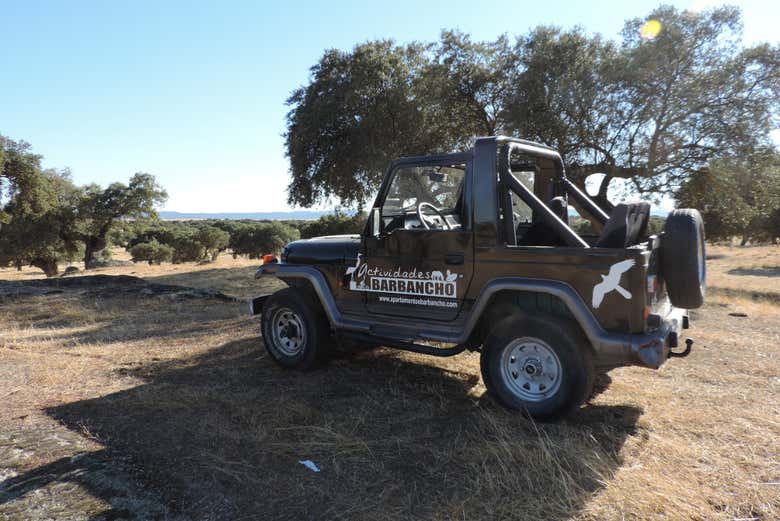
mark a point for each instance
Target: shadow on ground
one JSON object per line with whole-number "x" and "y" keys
{"x": 220, "y": 437}
{"x": 103, "y": 475}
{"x": 238, "y": 282}
{"x": 764, "y": 271}
{"x": 105, "y": 309}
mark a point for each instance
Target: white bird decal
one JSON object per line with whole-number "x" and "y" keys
{"x": 611, "y": 281}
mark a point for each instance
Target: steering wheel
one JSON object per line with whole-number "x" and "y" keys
{"x": 421, "y": 216}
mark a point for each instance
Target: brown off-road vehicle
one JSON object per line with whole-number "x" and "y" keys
{"x": 474, "y": 251}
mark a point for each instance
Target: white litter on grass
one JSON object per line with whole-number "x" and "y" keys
{"x": 309, "y": 464}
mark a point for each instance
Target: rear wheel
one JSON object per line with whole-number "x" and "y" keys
{"x": 295, "y": 332}
{"x": 683, "y": 258}
{"x": 539, "y": 365}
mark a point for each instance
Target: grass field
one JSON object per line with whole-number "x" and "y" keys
{"x": 124, "y": 402}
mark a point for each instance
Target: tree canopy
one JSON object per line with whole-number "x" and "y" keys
{"x": 654, "y": 107}
{"x": 98, "y": 209}
{"x": 35, "y": 210}
{"x": 46, "y": 219}
{"x": 361, "y": 100}
{"x": 738, "y": 196}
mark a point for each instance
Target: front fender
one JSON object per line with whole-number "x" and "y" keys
{"x": 256, "y": 304}
{"x": 321, "y": 288}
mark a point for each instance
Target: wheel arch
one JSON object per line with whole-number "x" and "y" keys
{"x": 306, "y": 279}
{"x": 508, "y": 302}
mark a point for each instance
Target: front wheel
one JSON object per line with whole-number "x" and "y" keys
{"x": 539, "y": 365}
{"x": 295, "y": 332}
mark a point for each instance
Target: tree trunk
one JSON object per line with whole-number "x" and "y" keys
{"x": 47, "y": 265}
{"x": 745, "y": 239}
{"x": 91, "y": 246}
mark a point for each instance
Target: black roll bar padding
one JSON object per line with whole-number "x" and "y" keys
{"x": 510, "y": 232}
{"x": 505, "y": 199}
{"x": 588, "y": 204}
{"x": 508, "y": 180}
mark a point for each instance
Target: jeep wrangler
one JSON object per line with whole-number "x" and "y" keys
{"x": 474, "y": 251}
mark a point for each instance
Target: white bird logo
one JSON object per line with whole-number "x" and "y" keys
{"x": 611, "y": 281}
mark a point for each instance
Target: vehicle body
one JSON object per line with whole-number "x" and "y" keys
{"x": 474, "y": 250}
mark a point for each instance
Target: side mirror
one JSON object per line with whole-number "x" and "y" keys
{"x": 376, "y": 221}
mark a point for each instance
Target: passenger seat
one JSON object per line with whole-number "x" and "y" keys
{"x": 542, "y": 234}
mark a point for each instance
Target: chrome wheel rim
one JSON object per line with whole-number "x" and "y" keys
{"x": 531, "y": 369}
{"x": 289, "y": 335}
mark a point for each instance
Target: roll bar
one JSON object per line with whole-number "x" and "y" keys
{"x": 507, "y": 180}
{"x": 586, "y": 202}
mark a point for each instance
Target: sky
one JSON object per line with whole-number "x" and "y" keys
{"x": 194, "y": 92}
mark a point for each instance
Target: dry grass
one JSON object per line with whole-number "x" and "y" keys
{"x": 120, "y": 406}
{"x": 752, "y": 272}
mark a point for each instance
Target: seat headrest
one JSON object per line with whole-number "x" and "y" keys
{"x": 559, "y": 207}
{"x": 627, "y": 225}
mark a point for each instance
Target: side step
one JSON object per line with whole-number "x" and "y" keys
{"x": 406, "y": 346}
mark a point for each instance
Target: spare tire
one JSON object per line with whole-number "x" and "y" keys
{"x": 683, "y": 264}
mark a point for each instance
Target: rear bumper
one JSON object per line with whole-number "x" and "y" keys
{"x": 647, "y": 349}
{"x": 652, "y": 349}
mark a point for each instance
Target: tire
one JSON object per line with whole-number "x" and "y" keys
{"x": 540, "y": 365}
{"x": 683, "y": 264}
{"x": 296, "y": 333}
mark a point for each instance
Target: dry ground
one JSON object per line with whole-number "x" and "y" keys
{"x": 120, "y": 402}
{"x": 744, "y": 272}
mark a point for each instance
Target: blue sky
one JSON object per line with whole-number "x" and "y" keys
{"x": 193, "y": 92}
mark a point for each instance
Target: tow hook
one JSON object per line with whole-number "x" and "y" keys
{"x": 685, "y": 352}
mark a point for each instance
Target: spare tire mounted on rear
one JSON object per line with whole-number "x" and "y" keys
{"x": 683, "y": 258}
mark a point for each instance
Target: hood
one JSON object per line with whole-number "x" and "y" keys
{"x": 330, "y": 249}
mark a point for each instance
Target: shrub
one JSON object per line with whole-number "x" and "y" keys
{"x": 152, "y": 252}
{"x": 186, "y": 247}
{"x": 193, "y": 242}
{"x": 583, "y": 226}
{"x": 257, "y": 239}
{"x": 333, "y": 224}
{"x": 213, "y": 240}
{"x": 190, "y": 242}
{"x": 655, "y": 225}
{"x": 162, "y": 233}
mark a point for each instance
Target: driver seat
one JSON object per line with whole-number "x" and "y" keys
{"x": 542, "y": 234}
